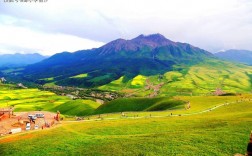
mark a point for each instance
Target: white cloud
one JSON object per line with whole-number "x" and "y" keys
{"x": 209, "y": 24}
{"x": 45, "y": 43}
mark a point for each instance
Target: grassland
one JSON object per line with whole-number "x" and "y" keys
{"x": 80, "y": 76}
{"x": 34, "y": 99}
{"x": 147, "y": 126}
{"x": 138, "y": 81}
{"x": 172, "y": 106}
{"x": 48, "y": 79}
{"x": 78, "y": 107}
{"x": 140, "y": 104}
{"x": 200, "y": 79}
{"x": 115, "y": 85}
{"x": 224, "y": 131}
{"x": 50, "y": 84}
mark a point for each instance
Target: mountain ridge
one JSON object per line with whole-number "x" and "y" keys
{"x": 17, "y": 59}
{"x": 241, "y": 56}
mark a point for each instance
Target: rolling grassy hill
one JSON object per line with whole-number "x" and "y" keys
{"x": 200, "y": 79}
{"x": 78, "y": 107}
{"x": 34, "y": 100}
{"x": 140, "y": 104}
{"x": 224, "y": 131}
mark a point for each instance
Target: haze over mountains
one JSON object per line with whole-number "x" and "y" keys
{"x": 242, "y": 56}
{"x": 14, "y": 60}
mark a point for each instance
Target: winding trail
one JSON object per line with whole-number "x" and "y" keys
{"x": 174, "y": 115}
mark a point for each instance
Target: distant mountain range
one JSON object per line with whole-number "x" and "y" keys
{"x": 14, "y": 60}
{"x": 144, "y": 55}
{"x": 242, "y": 56}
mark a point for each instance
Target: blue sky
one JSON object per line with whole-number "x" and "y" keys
{"x": 70, "y": 25}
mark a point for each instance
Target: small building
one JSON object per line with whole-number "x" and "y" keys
{"x": 71, "y": 96}
{"x": 2, "y": 80}
{"x": 21, "y": 85}
{"x": 4, "y": 111}
{"x": 99, "y": 101}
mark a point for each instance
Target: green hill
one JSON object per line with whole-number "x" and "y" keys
{"x": 77, "y": 107}
{"x": 34, "y": 100}
{"x": 139, "y": 104}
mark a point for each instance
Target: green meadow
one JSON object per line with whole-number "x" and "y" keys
{"x": 200, "y": 79}
{"x": 80, "y": 76}
{"x": 223, "y": 131}
{"x": 35, "y": 100}
{"x": 140, "y": 104}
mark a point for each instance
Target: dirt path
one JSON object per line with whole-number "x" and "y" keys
{"x": 152, "y": 116}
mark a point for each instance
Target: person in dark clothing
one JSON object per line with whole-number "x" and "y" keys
{"x": 249, "y": 148}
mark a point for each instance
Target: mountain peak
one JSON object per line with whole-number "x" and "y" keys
{"x": 157, "y": 35}
{"x": 150, "y": 42}
{"x": 153, "y": 40}
{"x": 151, "y": 37}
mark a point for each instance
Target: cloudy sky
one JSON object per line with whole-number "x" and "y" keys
{"x": 69, "y": 25}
